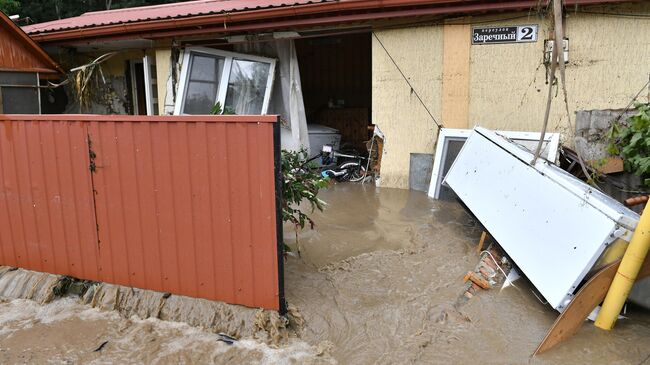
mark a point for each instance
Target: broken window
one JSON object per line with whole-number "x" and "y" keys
{"x": 240, "y": 83}
{"x": 19, "y": 93}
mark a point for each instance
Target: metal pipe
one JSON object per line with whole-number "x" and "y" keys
{"x": 627, "y": 273}
{"x": 27, "y": 86}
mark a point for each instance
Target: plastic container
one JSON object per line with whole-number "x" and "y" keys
{"x": 320, "y": 135}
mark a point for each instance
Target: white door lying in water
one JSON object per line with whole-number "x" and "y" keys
{"x": 551, "y": 224}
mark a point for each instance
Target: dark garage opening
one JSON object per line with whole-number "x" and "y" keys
{"x": 336, "y": 77}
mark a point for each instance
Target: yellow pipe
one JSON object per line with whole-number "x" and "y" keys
{"x": 626, "y": 275}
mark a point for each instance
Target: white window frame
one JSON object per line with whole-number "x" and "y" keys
{"x": 447, "y": 135}
{"x": 149, "y": 83}
{"x": 134, "y": 87}
{"x": 225, "y": 75}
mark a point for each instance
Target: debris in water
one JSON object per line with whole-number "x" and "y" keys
{"x": 100, "y": 347}
{"x": 225, "y": 338}
{"x": 477, "y": 279}
{"x": 491, "y": 270}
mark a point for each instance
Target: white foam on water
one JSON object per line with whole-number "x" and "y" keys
{"x": 175, "y": 338}
{"x": 20, "y": 314}
{"x": 295, "y": 352}
{"x": 187, "y": 338}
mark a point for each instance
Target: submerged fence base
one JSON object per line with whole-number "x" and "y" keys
{"x": 217, "y": 317}
{"x": 178, "y": 204}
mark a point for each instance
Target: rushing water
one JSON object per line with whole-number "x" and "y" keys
{"x": 383, "y": 269}
{"x": 376, "y": 283}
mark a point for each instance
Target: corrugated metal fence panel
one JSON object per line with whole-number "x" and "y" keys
{"x": 46, "y": 203}
{"x": 183, "y": 204}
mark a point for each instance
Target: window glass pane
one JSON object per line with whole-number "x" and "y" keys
{"x": 19, "y": 100}
{"x": 17, "y": 78}
{"x": 200, "y": 97}
{"x": 206, "y": 68}
{"x": 247, "y": 86}
{"x": 203, "y": 85}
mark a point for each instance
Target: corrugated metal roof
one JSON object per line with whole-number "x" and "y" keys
{"x": 217, "y": 16}
{"x": 160, "y": 12}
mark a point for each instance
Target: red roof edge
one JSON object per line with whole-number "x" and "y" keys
{"x": 38, "y": 51}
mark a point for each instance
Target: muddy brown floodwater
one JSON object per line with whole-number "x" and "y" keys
{"x": 381, "y": 272}
{"x": 376, "y": 284}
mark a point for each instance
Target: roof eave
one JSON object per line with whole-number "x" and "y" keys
{"x": 40, "y": 53}
{"x": 327, "y": 13}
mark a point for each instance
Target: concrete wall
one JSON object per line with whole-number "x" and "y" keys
{"x": 608, "y": 64}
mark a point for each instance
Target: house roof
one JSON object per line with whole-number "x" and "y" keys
{"x": 18, "y": 52}
{"x": 160, "y": 12}
{"x": 206, "y": 16}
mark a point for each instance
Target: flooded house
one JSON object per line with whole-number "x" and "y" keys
{"x": 141, "y": 213}
{"x": 405, "y": 67}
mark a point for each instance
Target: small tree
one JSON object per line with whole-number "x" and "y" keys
{"x": 301, "y": 184}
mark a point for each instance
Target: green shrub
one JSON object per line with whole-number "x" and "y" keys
{"x": 301, "y": 184}
{"x": 631, "y": 141}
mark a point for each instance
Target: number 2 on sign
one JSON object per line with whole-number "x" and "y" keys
{"x": 527, "y": 33}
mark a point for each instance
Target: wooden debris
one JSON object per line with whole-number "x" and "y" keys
{"x": 609, "y": 166}
{"x": 481, "y": 242}
{"x": 585, "y": 301}
{"x": 477, "y": 279}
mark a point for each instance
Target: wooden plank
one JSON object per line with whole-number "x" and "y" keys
{"x": 481, "y": 242}
{"x": 588, "y": 297}
{"x": 609, "y": 166}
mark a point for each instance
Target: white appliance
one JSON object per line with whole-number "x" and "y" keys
{"x": 320, "y": 135}
{"x": 551, "y": 224}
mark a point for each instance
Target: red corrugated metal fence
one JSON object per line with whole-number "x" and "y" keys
{"x": 185, "y": 205}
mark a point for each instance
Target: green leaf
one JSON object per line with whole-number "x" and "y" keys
{"x": 612, "y": 149}
{"x": 216, "y": 109}
{"x": 631, "y": 141}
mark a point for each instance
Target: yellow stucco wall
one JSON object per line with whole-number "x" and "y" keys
{"x": 608, "y": 64}
{"x": 397, "y": 111}
{"x": 455, "y": 73}
{"x": 163, "y": 64}
{"x": 116, "y": 65}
